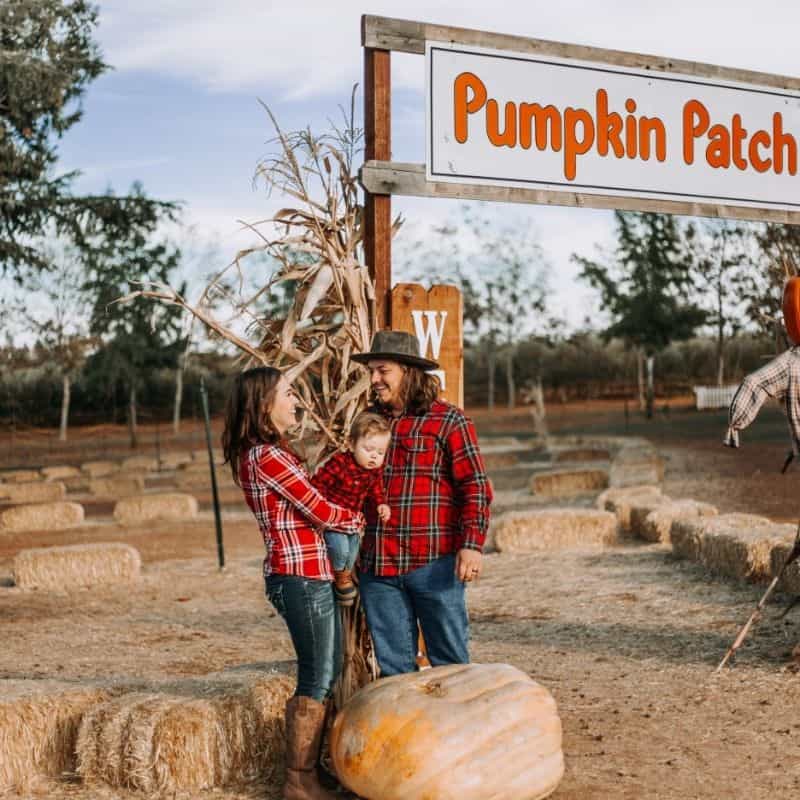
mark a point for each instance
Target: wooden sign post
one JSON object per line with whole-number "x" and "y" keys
{"x": 435, "y": 317}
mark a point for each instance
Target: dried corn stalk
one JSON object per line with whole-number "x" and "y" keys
{"x": 316, "y": 244}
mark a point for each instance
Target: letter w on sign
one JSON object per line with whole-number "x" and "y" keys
{"x": 435, "y": 317}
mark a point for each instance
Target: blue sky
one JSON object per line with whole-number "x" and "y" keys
{"x": 179, "y": 111}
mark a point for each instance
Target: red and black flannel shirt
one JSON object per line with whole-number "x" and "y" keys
{"x": 291, "y": 513}
{"x": 342, "y": 480}
{"x": 437, "y": 488}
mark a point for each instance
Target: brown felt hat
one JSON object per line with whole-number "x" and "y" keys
{"x": 396, "y": 346}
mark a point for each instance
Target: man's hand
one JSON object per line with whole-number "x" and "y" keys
{"x": 384, "y": 512}
{"x": 468, "y": 564}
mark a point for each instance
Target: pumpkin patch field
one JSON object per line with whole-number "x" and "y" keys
{"x": 623, "y": 635}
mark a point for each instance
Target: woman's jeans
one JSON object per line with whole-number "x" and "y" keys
{"x": 342, "y": 549}
{"x": 309, "y": 608}
{"x": 431, "y": 594}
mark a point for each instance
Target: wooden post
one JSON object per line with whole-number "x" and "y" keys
{"x": 378, "y": 146}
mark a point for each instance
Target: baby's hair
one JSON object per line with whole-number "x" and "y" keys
{"x": 367, "y": 424}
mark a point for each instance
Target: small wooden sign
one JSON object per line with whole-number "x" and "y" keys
{"x": 435, "y": 317}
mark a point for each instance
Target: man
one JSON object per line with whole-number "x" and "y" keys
{"x": 415, "y": 565}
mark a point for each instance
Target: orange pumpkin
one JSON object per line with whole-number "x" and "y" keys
{"x": 462, "y": 732}
{"x": 791, "y": 308}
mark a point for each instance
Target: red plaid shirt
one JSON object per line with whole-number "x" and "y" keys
{"x": 291, "y": 513}
{"x": 437, "y": 489}
{"x": 342, "y": 480}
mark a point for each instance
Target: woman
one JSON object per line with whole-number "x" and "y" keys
{"x": 291, "y": 513}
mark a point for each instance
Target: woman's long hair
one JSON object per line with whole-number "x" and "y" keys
{"x": 247, "y": 420}
{"x": 418, "y": 390}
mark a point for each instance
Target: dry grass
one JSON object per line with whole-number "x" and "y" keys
{"x": 38, "y": 731}
{"x": 76, "y": 566}
{"x": 565, "y": 482}
{"x": 175, "y": 460}
{"x": 41, "y": 517}
{"x": 33, "y": 492}
{"x": 100, "y": 469}
{"x": 658, "y": 523}
{"x": 553, "y": 528}
{"x": 120, "y": 486}
{"x": 499, "y": 459}
{"x": 144, "y": 508}
{"x": 157, "y": 743}
{"x": 582, "y": 454}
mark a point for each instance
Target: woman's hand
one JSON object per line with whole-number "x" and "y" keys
{"x": 384, "y": 512}
{"x": 468, "y": 564}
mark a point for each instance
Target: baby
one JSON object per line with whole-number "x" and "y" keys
{"x": 348, "y": 479}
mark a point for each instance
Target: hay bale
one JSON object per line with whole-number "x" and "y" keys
{"x": 658, "y": 523}
{"x": 158, "y": 744}
{"x": 121, "y": 486}
{"x": 80, "y": 483}
{"x": 741, "y": 548}
{"x": 139, "y": 464}
{"x": 790, "y": 580}
{"x": 100, "y": 469}
{"x": 619, "y": 500}
{"x": 38, "y": 732}
{"x": 41, "y": 517}
{"x": 175, "y": 460}
{"x": 553, "y": 529}
{"x": 202, "y": 455}
{"x": 641, "y": 507}
{"x": 499, "y": 459}
{"x": 685, "y": 535}
{"x": 19, "y": 476}
{"x": 564, "y": 482}
{"x": 33, "y": 492}
{"x": 582, "y": 454}
{"x": 76, "y": 565}
{"x": 150, "y": 507}
{"x": 59, "y": 473}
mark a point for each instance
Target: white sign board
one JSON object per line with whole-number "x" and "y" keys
{"x": 496, "y": 117}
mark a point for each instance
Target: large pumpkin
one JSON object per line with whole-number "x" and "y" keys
{"x": 463, "y": 732}
{"x": 791, "y": 308}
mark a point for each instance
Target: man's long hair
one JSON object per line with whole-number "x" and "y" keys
{"x": 247, "y": 420}
{"x": 418, "y": 390}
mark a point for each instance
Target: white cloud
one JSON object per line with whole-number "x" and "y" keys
{"x": 301, "y": 49}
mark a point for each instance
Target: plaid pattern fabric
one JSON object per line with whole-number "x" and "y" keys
{"x": 780, "y": 379}
{"x": 291, "y": 513}
{"x": 437, "y": 489}
{"x": 342, "y": 480}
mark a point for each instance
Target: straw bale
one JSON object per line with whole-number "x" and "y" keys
{"x": 641, "y": 507}
{"x": 121, "y": 486}
{"x": 80, "y": 483}
{"x": 77, "y": 565}
{"x": 20, "y": 475}
{"x": 100, "y": 469}
{"x": 685, "y": 536}
{"x": 790, "y": 580}
{"x": 742, "y": 548}
{"x": 59, "y": 473}
{"x": 33, "y": 492}
{"x": 38, "y": 732}
{"x": 553, "y": 529}
{"x": 583, "y": 454}
{"x": 658, "y": 523}
{"x": 202, "y": 455}
{"x": 149, "y": 507}
{"x": 499, "y": 459}
{"x": 41, "y": 517}
{"x": 619, "y": 500}
{"x": 139, "y": 464}
{"x": 559, "y": 483}
{"x": 160, "y": 743}
{"x": 491, "y": 443}
{"x": 175, "y": 460}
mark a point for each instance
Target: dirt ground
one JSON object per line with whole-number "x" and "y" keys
{"x": 626, "y": 638}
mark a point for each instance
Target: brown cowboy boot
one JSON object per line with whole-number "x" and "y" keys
{"x": 305, "y": 719}
{"x": 344, "y": 588}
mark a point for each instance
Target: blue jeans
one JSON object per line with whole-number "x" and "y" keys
{"x": 309, "y": 608}
{"x": 342, "y": 549}
{"x": 432, "y": 595}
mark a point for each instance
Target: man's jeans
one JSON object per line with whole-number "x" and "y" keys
{"x": 431, "y": 594}
{"x": 309, "y": 608}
